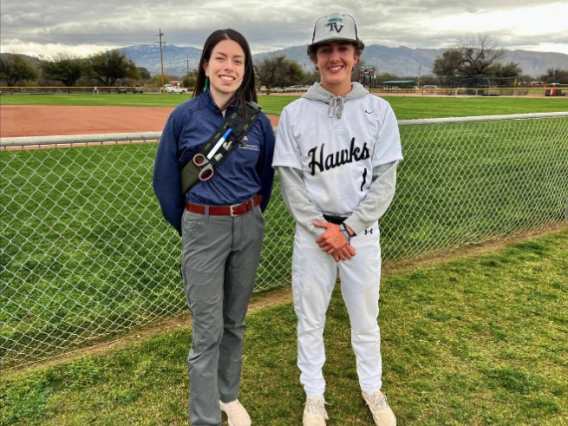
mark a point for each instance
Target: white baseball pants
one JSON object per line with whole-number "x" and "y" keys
{"x": 314, "y": 275}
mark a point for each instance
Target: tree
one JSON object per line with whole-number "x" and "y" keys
{"x": 506, "y": 74}
{"x": 511, "y": 69}
{"x": 554, "y": 75}
{"x": 63, "y": 68}
{"x": 388, "y": 76}
{"x": 14, "y": 68}
{"x": 190, "y": 79}
{"x": 429, "y": 79}
{"x": 310, "y": 78}
{"x": 471, "y": 56}
{"x": 445, "y": 67}
{"x": 267, "y": 70}
{"x": 144, "y": 73}
{"x": 275, "y": 71}
{"x": 293, "y": 74}
{"x": 111, "y": 65}
{"x": 157, "y": 79}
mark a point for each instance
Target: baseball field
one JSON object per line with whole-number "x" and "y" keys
{"x": 115, "y": 116}
{"x": 473, "y": 339}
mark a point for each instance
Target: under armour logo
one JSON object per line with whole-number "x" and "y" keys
{"x": 333, "y": 26}
{"x": 368, "y": 231}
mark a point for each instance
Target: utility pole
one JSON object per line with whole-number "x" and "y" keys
{"x": 419, "y": 69}
{"x": 160, "y": 34}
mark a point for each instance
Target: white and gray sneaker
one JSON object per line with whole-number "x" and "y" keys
{"x": 314, "y": 412}
{"x": 236, "y": 413}
{"x": 382, "y": 413}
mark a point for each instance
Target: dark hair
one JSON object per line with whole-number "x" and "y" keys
{"x": 313, "y": 49}
{"x": 247, "y": 90}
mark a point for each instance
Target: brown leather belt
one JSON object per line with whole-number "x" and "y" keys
{"x": 234, "y": 210}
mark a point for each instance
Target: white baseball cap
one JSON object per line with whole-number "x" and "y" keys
{"x": 336, "y": 26}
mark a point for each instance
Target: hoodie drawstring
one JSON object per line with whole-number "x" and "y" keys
{"x": 335, "y": 107}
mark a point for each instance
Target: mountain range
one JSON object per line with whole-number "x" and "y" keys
{"x": 402, "y": 60}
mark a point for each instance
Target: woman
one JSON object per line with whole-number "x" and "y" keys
{"x": 220, "y": 221}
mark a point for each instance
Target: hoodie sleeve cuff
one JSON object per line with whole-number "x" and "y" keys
{"x": 356, "y": 224}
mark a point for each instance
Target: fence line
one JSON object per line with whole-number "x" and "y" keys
{"x": 78, "y": 139}
{"x": 85, "y": 252}
{"x": 480, "y": 118}
{"x": 377, "y": 87}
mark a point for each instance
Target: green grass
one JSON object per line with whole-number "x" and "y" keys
{"x": 85, "y": 250}
{"x": 480, "y": 340}
{"x": 404, "y": 107}
{"x": 464, "y": 183}
{"x": 408, "y": 108}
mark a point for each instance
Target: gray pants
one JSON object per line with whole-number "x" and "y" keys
{"x": 219, "y": 261}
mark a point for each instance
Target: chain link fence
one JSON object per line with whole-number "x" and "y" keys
{"x": 86, "y": 253}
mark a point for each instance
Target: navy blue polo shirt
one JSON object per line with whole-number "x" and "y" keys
{"x": 245, "y": 172}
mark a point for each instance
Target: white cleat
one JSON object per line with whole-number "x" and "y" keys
{"x": 314, "y": 412}
{"x": 382, "y": 413}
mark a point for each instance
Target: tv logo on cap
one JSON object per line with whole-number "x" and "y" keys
{"x": 332, "y": 24}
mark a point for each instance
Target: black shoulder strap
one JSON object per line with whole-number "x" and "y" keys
{"x": 213, "y": 152}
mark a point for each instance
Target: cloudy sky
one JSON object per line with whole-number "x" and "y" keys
{"x": 82, "y": 27}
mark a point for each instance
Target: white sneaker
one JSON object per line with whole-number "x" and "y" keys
{"x": 382, "y": 413}
{"x": 236, "y": 413}
{"x": 314, "y": 412}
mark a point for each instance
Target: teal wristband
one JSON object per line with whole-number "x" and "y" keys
{"x": 345, "y": 232}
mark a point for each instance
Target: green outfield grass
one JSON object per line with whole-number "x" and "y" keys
{"x": 479, "y": 340}
{"x": 86, "y": 252}
{"x": 473, "y": 181}
{"x": 404, "y": 107}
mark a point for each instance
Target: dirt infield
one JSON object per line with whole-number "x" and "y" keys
{"x": 35, "y": 120}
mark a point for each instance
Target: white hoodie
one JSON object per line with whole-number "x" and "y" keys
{"x": 337, "y": 156}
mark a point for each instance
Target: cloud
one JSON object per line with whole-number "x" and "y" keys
{"x": 81, "y": 25}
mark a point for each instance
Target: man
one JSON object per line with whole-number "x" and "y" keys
{"x": 337, "y": 152}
